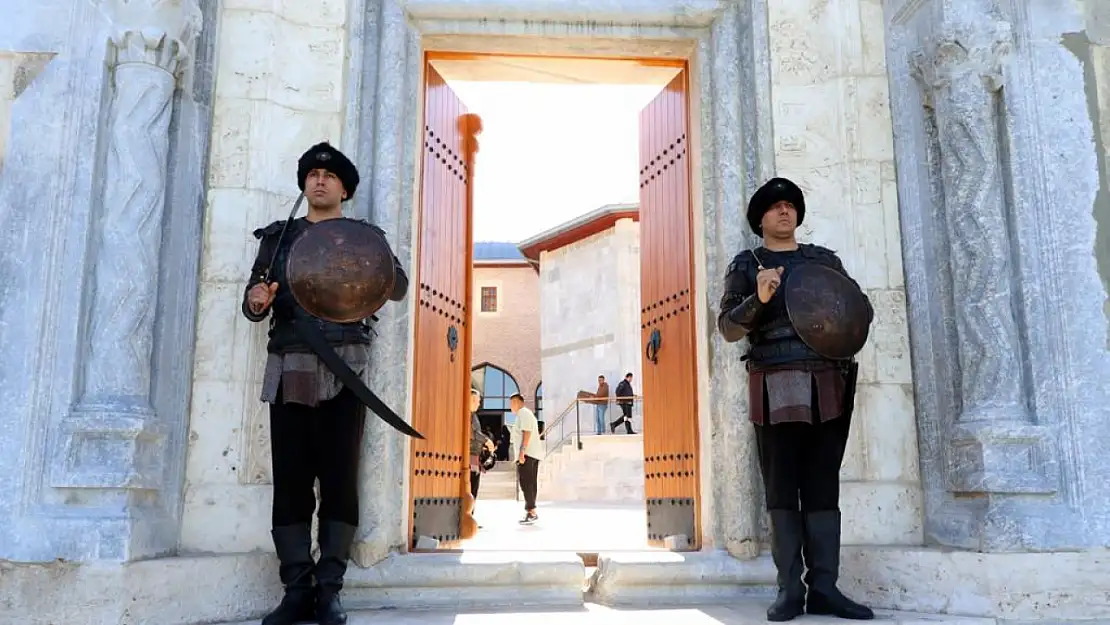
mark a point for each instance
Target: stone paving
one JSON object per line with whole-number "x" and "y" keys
{"x": 744, "y": 613}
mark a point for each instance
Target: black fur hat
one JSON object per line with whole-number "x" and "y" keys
{"x": 324, "y": 156}
{"x": 775, "y": 190}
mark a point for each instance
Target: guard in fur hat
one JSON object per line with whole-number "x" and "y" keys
{"x": 800, "y": 403}
{"x": 316, "y": 422}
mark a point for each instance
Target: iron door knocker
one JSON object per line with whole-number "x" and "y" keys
{"x": 653, "y": 345}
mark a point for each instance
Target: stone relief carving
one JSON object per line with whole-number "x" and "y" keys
{"x": 112, "y": 438}
{"x": 996, "y": 447}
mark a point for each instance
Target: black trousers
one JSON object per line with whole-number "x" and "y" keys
{"x": 626, "y": 418}
{"x": 322, "y": 443}
{"x": 800, "y": 463}
{"x": 529, "y": 476}
{"x": 475, "y": 480}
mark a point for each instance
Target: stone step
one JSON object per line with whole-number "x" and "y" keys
{"x": 607, "y": 468}
{"x": 507, "y": 491}
{"x": 498, "y": 485}
{"x": 743, "y": 612}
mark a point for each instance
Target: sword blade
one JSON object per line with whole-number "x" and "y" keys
{"x": 281, "y": 237}
{"x": 311, "y": 334}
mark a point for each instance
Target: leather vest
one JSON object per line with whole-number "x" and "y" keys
{"x": 285, "y": 309}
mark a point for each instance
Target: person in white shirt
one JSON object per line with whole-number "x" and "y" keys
{"x": 527, "y": 451}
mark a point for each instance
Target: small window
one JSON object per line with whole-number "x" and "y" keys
{"x": 489, "y": 299}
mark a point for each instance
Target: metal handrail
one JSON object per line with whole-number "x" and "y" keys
{"x": 558, "y": 422}
{"x": 576, "y": 432}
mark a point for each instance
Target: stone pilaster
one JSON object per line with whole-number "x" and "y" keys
{"x": 113, "y": 439}
{"x": 996, "y": 445}
{"x": 384, "y": 137}
{"x": 1008, "y": 341}
{"x": 733, "y": 128}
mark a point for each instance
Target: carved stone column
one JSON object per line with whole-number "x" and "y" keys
{"x": 112, "y": 438}
{"x": 996, "y": 445}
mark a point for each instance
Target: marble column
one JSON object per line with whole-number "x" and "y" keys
{"x": 385, "y": 137}
{"x": 113, "y": 439}
{"x": 736, "y": 155}
{"x": 995, "y": 444}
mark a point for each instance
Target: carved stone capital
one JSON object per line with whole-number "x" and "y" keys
{"x": 151, "y": 47}
{"x": 959, "y": 52}
{"x": 161, "y": 33}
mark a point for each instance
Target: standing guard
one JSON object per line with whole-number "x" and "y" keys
{"x": 321, "y": 276}
{"x": 802, "y": 380}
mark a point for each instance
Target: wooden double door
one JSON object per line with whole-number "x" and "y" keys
{"x": 440, "y": 481}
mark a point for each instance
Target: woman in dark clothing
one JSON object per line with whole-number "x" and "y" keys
{"x": 478, "y": 441}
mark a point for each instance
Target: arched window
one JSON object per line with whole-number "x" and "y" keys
{"x": 539, "y": 402}
{"x": 496, "y": 384}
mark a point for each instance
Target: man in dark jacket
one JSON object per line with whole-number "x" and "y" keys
{"x": 801, "y": 406}
{"x": 478, "y": 442}
{"x": 316, "y": 423}
{"x": 624, "y": 395}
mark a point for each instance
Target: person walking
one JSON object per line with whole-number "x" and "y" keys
{"x": 528, "y": 451}
{"x": 624, "y": 402}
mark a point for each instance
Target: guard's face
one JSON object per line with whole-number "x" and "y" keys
{"x": 515, "y": 404}
{"x": 323, "y": 188}
{"x": 780, "y": 220}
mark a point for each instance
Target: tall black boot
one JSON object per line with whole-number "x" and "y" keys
{"x": 786, "y": 551}
{"x": 335, "y": 550}
{"x": 822, "y": 549}
{"x": 294, "y": 552}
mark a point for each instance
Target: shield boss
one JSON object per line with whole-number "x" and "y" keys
{"x": 341, "y": 270}
{"x": 827, "y": 310}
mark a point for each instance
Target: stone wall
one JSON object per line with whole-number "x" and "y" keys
{"x": 842, "y": 155}
{"x": 108, "y": 132}
{"x": 280, "y": 88}
{"x": 589, "y": 321}
{"x": 1011, "y": 369}
{"x": 1098, "y": 37}
{"x": 510, "y": 337}
{"x": 17, "y": 70}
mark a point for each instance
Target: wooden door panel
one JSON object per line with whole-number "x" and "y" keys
{"x": 671, "y": 472}
{"x": 440, "y": 474}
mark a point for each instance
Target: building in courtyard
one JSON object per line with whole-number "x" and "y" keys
{"x": 589, "y": 277}
{"x": 954, "y": 153}
{"x": 505, "y": 353}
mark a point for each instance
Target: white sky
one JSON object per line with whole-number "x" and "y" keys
{"x": 551, "y": 152}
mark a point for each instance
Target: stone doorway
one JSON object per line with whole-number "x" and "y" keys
{"x": 730, "y": 151}
{"x": 667, "y": 355}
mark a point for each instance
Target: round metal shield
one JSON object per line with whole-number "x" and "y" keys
{"x": 827, "y": 310}
{"x": 341, "y": 270}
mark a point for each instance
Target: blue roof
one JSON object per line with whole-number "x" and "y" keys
{"x": 496, "y": 250}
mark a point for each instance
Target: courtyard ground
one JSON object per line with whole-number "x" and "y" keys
{"x": 563, "y": 526}
{"x": 744, "y": 613}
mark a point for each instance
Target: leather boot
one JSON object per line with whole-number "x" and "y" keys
{"x": 822, "y": 549}
{"x": 294, "y": 551}
{"x": 335, "y": 550}
{"x": 786, "y": 551}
